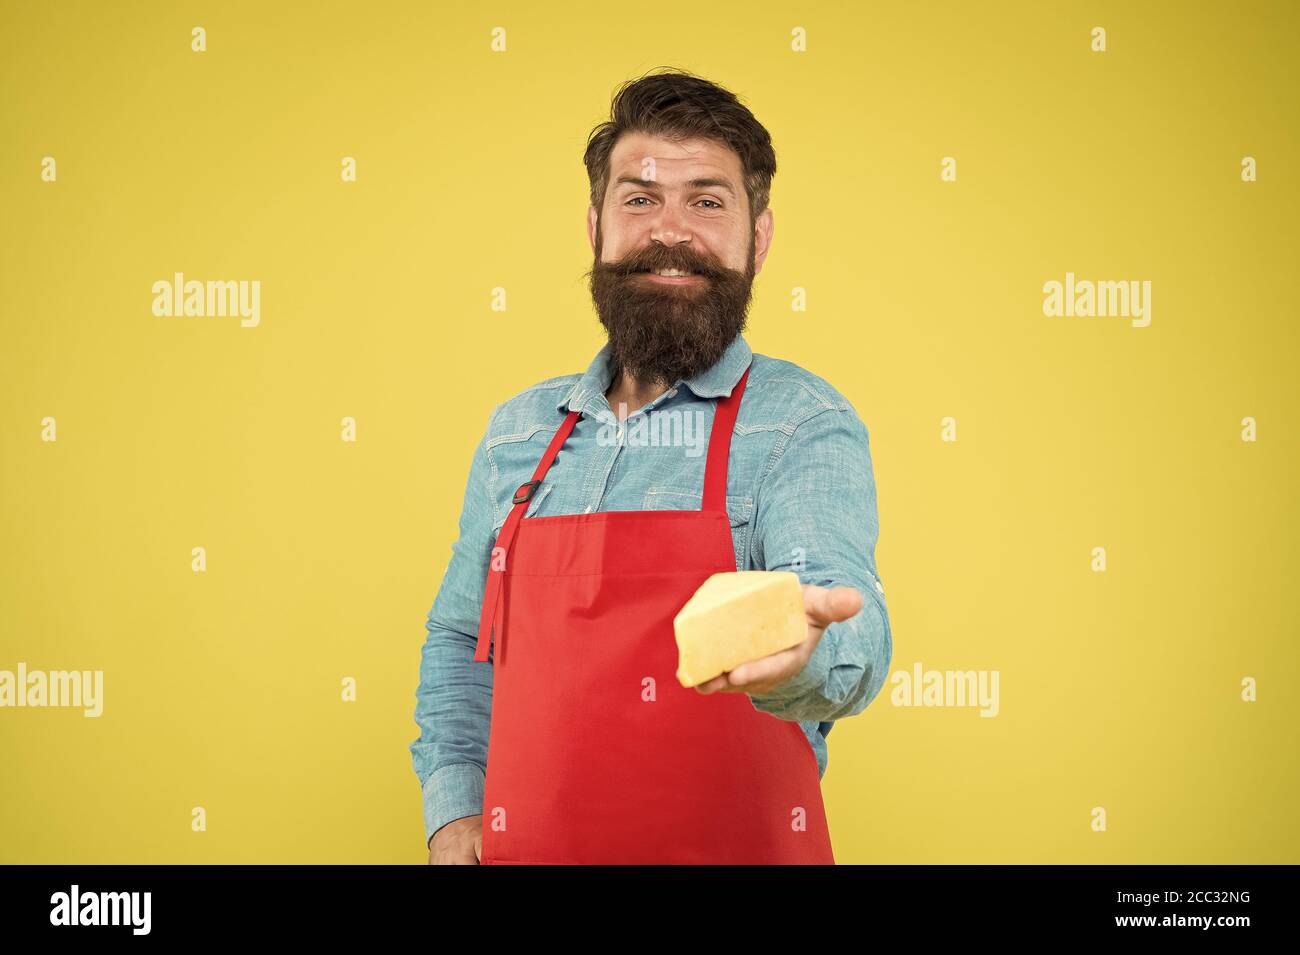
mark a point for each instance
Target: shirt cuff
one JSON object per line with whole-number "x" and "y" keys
{"x": 451, "y": 792}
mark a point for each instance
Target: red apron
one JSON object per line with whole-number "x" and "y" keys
{"x": 597, "y": 755}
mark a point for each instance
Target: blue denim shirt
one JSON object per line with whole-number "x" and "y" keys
{"x": 800, "y": 495}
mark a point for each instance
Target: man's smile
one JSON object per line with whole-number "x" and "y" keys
{"x": 671, "y": 277}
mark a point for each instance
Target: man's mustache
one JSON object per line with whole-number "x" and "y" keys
{"x": 632, "y": 266}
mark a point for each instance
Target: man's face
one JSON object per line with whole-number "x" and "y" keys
{"x": 674, "y": 206}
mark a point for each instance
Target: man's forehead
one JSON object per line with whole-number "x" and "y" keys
{"x": 687, "y": 157}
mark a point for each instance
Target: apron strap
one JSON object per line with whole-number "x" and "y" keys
{"x": 493, "y": 595}
{"x": 715, "y": 466}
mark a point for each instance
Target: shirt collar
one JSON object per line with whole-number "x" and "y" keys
{"x": 714, "y": 382}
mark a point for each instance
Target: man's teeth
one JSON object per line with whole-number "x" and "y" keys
{"x": 672, "y": 272}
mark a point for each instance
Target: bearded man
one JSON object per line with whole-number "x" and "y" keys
{"x": 552, "y": 727}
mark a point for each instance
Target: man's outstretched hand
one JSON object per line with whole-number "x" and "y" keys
{"x": 824, "y": 606}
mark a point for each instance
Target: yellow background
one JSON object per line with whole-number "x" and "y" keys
{"x": 222, "y": 689}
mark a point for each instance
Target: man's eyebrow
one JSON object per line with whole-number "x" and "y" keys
{"x": 708, "y": 182}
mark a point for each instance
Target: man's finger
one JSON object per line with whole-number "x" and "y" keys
{"x": 764, "y": 668}
{"x": 711, "y": 686}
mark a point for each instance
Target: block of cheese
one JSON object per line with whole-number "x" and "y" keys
{"x": 736, "y": 617}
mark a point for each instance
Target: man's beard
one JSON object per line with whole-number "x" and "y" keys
{"x": 660, "y": 332}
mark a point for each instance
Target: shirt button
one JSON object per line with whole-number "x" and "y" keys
{"x": 588, "y": 511}
{"x": 879, "y": 588}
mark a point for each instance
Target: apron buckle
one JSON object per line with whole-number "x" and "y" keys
{"x": 522, "y": 496}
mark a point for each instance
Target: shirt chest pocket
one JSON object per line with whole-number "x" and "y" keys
{"x": 740, "y": 511}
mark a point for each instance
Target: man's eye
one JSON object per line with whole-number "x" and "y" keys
{"x": 634, "y": 199}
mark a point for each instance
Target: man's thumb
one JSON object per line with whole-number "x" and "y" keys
{"x": 840, "y": 603}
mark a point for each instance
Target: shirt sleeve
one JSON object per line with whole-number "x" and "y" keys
{"x": 454, "y": 698}
{"x": 816, "y": 516}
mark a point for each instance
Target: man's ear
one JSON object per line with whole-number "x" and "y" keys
{"x": 591, "y": 228}
{"x": 763, "y": 229}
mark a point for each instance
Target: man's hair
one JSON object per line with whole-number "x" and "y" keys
{"x": 679, "y": 105}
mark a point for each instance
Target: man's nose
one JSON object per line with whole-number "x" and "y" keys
{"x": 670, "y": 227}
